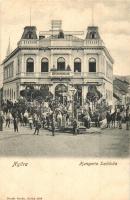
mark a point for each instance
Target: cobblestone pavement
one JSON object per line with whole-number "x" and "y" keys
{"x": 106, "y": 143}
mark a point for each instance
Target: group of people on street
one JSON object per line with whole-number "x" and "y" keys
{"x": 58, "y": 118}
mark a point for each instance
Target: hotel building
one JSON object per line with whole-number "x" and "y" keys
{"x": 59, "y": 60}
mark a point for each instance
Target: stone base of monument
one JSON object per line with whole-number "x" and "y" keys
{"x": 81, "y": 130}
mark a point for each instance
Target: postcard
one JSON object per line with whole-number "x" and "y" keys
{"x": 64, "y": 100}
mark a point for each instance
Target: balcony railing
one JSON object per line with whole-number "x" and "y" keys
{"x": 33, "y": 74}
{"x": 28, "y": 42}
{"x": 58, "y": 42}
{"x": 61, "y": 74}
{"x": 94, "y": 42}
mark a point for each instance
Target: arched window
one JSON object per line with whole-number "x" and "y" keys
{"x": 44, "y": 65}
{"x": 92, "y": 65}
{"x": 61, "y": 64}
{"x": 30, "y": 65}
{"x": 77, "y": 65}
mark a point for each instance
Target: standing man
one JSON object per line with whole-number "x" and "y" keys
{"x": 1, "y": 121}
{"x": 120, "y": 117}
{"x": 15, "y": 122}
{"x": 8, "y": 119}
{"x": 53, "y": 125}
{"x": 37, "y": 127}
{"x": 30, "y": 120}
{"x": 75, "y": 126}
{"x": 108, "y": 117}
{"x": 127, "y": 118}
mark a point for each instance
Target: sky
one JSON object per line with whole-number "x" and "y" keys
{"x": 111, "y": 16}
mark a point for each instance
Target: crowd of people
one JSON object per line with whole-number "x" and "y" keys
{"x": 56, "y": 116}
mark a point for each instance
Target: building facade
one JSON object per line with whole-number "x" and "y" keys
{"x": 121, "y": 91}
{"x": 59, "y": 60}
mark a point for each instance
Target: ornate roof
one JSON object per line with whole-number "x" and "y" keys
{"x": 92, "y": 33}
{"x": 29, "y": 32}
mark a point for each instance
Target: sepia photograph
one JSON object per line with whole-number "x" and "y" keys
{"x": 65, "y": 78}
{"x": 64, "y": 99}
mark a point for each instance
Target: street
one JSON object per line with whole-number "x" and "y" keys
{"x": 106, "y": 143}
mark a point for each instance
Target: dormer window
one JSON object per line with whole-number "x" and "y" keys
{"x": 61, "y": 34}
{"x": 30, "y": 35}
{"x": 93, "y": 35}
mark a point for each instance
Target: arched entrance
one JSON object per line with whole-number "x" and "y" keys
{"x": 61, "y": 93}
{"x": 93, "y": 93}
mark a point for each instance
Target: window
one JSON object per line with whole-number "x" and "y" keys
{"x": 30, "y": 65}
{"x": 44, "y": 65}
{"x": 92, "y": 65}
{"x": 61, "y": 64}
{"x": 77, "y": 65}
{"x": 8, "y": 71}
{"x": 30, "y": 35}
{"x": 61, "y": 34}
{"x": 93, "y": 35}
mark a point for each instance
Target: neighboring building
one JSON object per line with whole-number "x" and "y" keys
{"x": 58, "y": 60}
{"x": 121, "y": 91}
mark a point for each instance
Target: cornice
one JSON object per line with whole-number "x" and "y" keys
{"x": 49, "y": 48}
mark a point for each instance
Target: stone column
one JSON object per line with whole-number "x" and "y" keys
{"x": 51, "y": 61}
{"x": 17, "y": 95}
{"x": 37, "y": 64}
{"x": 23, "y": 64}
{"x": 85, "y": 64}
{"x": 70, "y": 62}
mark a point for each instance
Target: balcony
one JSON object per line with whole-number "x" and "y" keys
{"x": 61, "y": 74}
